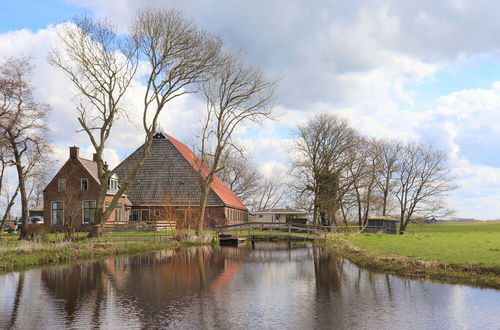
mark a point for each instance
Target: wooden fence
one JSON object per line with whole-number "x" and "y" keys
{"x": 139, "y": 226}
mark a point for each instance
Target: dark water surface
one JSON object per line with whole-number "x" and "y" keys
{"x": 269, "y": 287}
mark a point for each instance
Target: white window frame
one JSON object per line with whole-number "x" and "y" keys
{"x": 138, "y": 214}
{"x": 52, "y": 214}
{"x": 61, "y": 185}
{"x": 81, "y": 184}
{"x": 149, "y": 214}
{"x": 113, "y": 184}
{"x": 119, "y": 206}
{"x": 83, "y": 212}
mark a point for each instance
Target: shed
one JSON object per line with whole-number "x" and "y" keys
{"x": 381, "y": 225}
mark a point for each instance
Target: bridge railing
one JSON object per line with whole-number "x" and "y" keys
{"x": 286, "y": 227}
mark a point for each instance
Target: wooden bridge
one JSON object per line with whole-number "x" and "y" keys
{"x": 254, "y": 231}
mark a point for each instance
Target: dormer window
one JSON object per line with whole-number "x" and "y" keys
{"x": 113, "y": 184}
{"x": 84, "y": 184}
{"x": 61, "y": 185}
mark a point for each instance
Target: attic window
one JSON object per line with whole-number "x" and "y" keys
{"x": 84, "y": 184}
{"x": 159, "y": 136}
{"x": 61, "y": 185}
{"x": 113, "y": 184}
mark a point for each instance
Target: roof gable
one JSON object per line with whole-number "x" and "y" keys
{"x": 86, "y": 164}
{"x": 219, "y": 187}
{"x": 169, "y": 177}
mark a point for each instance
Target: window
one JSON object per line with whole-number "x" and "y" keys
{"x": 113, "y": 184}
{"x": 61, "y": 185}
{"x": 88, "y": 212}
{"x": 145, "y": 215}
{"x": 84, "y": 185}
{"x": 260, "y": 215}
{"x": 157, "y": 213}
{"x": 134, "y": 215}
{"x": 57, "y": 213}
{"x": 118, "y": 212}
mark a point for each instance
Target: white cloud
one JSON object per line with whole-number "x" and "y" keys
{"x": 352, "y": 59}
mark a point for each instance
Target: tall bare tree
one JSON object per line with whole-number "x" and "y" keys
{"x": 363, "y": 170}
{"x": 422, "y": 181}
{"x": 321, "y": 151}
{"x": 102, "y": 65}
{"x": 22, "y": 125}
{"x": 235, "y": 94}
{"x": 387, "y": 153}
{"x": 272, "y": 191}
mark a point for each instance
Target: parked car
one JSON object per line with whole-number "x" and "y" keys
{"x": 35, "y": 219}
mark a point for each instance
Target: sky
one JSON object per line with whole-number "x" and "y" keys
{"x": 409, "y": 70}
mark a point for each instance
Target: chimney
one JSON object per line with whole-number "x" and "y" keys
{"x": 94, "y": 157}
{"x": 106, "y": 166}
{"x": 74, "y": 152}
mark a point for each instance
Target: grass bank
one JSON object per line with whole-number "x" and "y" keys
{"x": 18, "y": 255}
{"x": 453, "y": 252}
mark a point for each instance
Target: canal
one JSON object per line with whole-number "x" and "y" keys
{"x": 270, "y": 286}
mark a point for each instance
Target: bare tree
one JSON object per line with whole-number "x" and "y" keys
{"x": 387, "y": 153}
{"x": 321, "y": 152}
{"x": 272, "y": 191}
{"x": 363, "y": 167}
{"x": 235, "y": 94}
{"x": 102, "y": 65}
{"x": 422, "y": 181}
{"x": 243, "y": 178}
{"x": 22, "y": 125}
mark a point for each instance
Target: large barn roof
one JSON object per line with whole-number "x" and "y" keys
{"x": 169, "y": 177}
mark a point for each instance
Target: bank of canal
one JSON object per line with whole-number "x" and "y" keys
{"x": 270, "y": 286}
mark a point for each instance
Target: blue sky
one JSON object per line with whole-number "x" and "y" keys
{"x": 416, "y": 70}
{"x": 34, "y": 15}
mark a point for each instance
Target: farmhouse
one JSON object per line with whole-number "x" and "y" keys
{"x": 166, "y": 188}
{"x": 70, "y": 197}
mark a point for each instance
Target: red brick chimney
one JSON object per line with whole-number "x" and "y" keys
{"x": 74, "y": 152}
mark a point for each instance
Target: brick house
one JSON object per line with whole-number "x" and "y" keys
{"x": 167, "y": 187}
{"x": 70, "y": 197}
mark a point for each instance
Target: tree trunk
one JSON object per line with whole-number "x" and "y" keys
{"x": 384, "y": 204}
{"x": 22, "y": 188}
{"x": 203, "y": 205}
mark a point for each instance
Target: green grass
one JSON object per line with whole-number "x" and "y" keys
{"x": 19, "y": 254}
{"x": 452, "y": 252}
{"x": 463, "y": 244}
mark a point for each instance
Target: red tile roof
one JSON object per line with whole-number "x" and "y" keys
{"x": 227, "y": 195}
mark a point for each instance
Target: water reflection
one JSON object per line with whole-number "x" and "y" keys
{"x": 269, "y": 286}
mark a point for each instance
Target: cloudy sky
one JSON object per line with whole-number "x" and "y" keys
{"x": 422, "y": 70}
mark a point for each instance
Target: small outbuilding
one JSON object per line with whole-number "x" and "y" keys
{"x": 381, "y": 225}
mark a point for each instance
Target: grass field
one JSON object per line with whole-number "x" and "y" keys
{"x": 452, "y": 252}
{"x": 463, "y": 244}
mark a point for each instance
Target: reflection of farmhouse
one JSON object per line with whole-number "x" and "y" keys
{"x": 167, "y": 187}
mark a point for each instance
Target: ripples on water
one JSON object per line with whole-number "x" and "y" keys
{"x": 269, "y": 287}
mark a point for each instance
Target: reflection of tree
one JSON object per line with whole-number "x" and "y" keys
{"x": 19, "y": 292}
{"x": 74, "y": 285}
